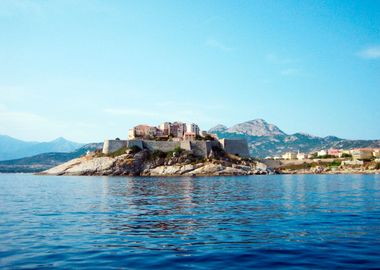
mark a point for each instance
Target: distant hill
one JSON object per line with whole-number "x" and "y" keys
{"x": 11, "y": 148}
{"x": 266, "y": 139}
{"x": 44, "y": 161}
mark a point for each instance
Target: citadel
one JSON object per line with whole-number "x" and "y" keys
{"x": 171, "y": 135}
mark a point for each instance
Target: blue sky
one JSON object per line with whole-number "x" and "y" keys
{"x": 88, "y": 70}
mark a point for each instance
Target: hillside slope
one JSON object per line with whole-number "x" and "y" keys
{"x": 266, "y": 139}
{"x": 11, "y": 148}
{"x": 44, "y": 161}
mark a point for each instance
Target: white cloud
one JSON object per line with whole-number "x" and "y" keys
{"x": 17, "y": 118}
{"x": 30, "y": 126}
{"x": 22, "y": 124}
{"x": 285, "y": 65}
{"x": 370, "y": 52}
{"x": 213, "y": 43}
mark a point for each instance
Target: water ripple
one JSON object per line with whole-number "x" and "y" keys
{"x": 304, "y": 222}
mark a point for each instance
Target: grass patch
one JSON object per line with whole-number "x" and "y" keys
{"x": 118, "y": 152}
{"x": 176, "y": 152}
{"x": 156, "y": 154}
{"x": 302, "y": 166}
{"x": 134, "y": 149}
{"x": 335, "y": 163}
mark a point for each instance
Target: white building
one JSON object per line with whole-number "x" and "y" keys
{"x": 165, "y": 128}
{"x": 352, "y": 162}
{"x": 131, "y": 134}
{"x": 362, "y": 153}
{"x": 322, "y": 153}
{"x": 289, "y": 155}
{"x": 191, "y": 127}
{"x": 301, "y": 156}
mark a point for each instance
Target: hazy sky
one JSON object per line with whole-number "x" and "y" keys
{"x": 88, "y": 70}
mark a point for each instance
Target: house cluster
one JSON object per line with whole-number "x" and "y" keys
{"x": 176, "y": 131}
{"x": 169, "y": 136}
{"x": 356, "y": 154}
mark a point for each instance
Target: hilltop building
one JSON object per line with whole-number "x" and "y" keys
{"x": 164, "y": 130}
{"x": 189, "y": 136}
{"x": 165, "y": 127}
{"x": 168, "y": 136}
{"x": 194, "y": 128}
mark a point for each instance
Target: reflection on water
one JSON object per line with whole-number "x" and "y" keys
{"x": 238, "y": 222}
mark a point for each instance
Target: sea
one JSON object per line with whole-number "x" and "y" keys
{"x": 234, "y": 222}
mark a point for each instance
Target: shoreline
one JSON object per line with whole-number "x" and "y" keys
{"x": 208, "y": 175}
{"x": 145, "y": 163}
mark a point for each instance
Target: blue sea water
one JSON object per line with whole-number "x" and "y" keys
{"x": 279, "y": 221}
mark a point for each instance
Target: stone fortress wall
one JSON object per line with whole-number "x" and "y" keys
{"x": 110, "y": 146}
{"x": 235, "y": 146}
{"x": 199, "y": 148}
{"x": 164, "y": 146}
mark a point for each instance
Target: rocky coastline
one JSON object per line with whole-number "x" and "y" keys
{"x": 133, "y": 162}
{"x": 129, "y": 162}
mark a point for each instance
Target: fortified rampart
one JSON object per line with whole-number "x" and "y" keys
{"x": 199, "y": 148}
{"x": 110, "y": 146}
{"x": 164, "y": 146}
{"x": 235, "y": 146}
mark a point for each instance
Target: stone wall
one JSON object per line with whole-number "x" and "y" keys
{"x": 110, "y": 146}
{"x": 199, "y": 148}
{"x": 164, "y": 146}
{"x": 273, "y": 164}
{"x": 138, "y": 143}
{"x": 186, "y": 145}
{"x": 235, "y": 146}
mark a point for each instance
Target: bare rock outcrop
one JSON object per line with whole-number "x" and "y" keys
{"x": 145, "y": 163}
{"x": 83, "y": 166}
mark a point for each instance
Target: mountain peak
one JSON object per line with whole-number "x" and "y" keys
{"x": 218, "y": 128}
{"x": 59, "y": 139}
{"x": 257, "y": 127}
{"x": 11, "y": 148}
{"x": 257, "y": 120}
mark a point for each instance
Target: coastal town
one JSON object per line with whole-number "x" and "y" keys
{"x": 335, "y": 161}
{"x": 183, "y": 149}
{"x": 357, "y": 155}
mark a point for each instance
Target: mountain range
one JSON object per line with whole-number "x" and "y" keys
{"x": 265, "y": 139}
{"x": 11, "y": 148}
{"x": 44, "y": 161}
